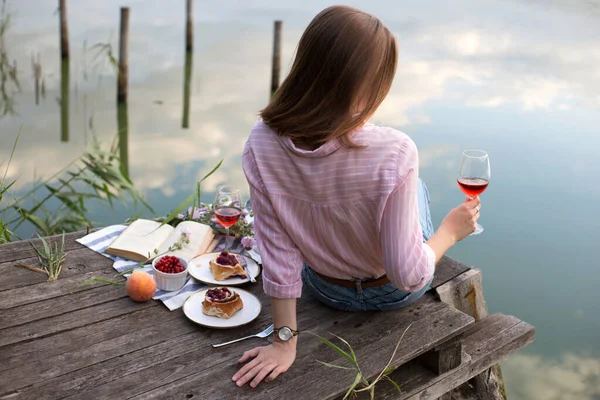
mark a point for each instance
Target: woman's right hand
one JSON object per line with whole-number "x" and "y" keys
{"x": 462, "y": 220}
{"x": 266, "y": 362}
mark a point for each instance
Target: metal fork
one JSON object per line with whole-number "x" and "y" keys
{"x": 262, "y": 334}
{"x": 244, "y": 264}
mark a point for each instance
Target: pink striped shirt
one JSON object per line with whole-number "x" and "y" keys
{"x": 348, "y": 213}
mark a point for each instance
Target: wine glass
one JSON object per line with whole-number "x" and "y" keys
{"x": 474, "y": 175}
{"x": 228, "y": 208}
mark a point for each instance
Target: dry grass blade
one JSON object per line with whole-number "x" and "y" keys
{"x": 32, "y": 268}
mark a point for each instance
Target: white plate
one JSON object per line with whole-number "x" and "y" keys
{"x": 192, "y": 308}
{"x": 200, "y": 270}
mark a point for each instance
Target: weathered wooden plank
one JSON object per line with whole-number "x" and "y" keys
{"x": 60, "y": 305}
{"x": 428, "y": 332}
{"x": 492, "y": 350}
{"x": 168, "y": 373}
{"x": 168, "y": 361}
{"x": 22, "y": 353}
{"x": 64, "y": 363}
{"x": 489, "y": 355}
{"x": 22, "y": 249}
{"x": 465, "y": 292}
{"x": 75, "y": 319}
{"x": 78, "y": 261}
{"x": 47, "y": 291}
{"x": 429, "y": 316}
{"x": 498, "y": 338}
{"x": 446, "y": 269}
{"x": 445, "y": 357}
{"x": 121, "y": 376}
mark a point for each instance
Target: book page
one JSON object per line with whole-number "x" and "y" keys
{"x": 141, "y": 238}
{"x": 200, "y": 238}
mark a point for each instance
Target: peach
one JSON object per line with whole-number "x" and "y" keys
{"x": 140, "y": 286}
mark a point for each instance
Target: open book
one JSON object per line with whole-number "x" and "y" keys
{"x": 142, "y": 236}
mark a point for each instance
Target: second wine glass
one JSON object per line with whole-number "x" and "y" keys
{"x": 228, "y": 208}
{"x": 474, "y": 175}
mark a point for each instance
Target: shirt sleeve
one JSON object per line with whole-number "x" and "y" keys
{"x": 409, "y": 263}
{"x": 281, "y": 260}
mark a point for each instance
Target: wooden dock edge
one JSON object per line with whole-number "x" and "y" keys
{"x": 485, "y": 344}
{"x": 465, "y": 293}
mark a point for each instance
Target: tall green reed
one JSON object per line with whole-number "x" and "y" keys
{"x": 61, "y": 202}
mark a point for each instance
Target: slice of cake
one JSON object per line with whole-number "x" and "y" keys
{"x": 225, "y": 266}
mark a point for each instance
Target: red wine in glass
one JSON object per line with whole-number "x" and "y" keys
{"x": 228, "y": 216}
{"x": 228, "y": 208}
{"x": 474, "y": 175}
{"x": 472, "y": 186}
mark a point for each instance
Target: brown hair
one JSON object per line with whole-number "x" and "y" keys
{"x": 344, "y": 67}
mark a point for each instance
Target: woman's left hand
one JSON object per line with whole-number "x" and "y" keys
{"x": 267, "y": 362}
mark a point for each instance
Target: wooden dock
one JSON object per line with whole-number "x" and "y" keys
{"x": 98, "y": 344}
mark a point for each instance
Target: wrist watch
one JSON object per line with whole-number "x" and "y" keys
{"x": 285, "y": 333}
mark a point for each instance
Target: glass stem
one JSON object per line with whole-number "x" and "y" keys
{"x": 227, "y": 242}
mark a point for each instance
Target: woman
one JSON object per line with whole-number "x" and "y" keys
{"x": 336, "y": 199}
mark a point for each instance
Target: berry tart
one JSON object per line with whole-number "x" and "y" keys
{"x": 221, "y": 302}
{"x": 226, "y": 265}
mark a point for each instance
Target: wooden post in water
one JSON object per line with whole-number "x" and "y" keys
{"x": 64, "y": 100}
{"x": 64, "y": 30}
{"x": 123, "y": 55}
{"x": 122, "y": 117}
{"x": 276, "y": 67}
{"x": 189, "y": 28}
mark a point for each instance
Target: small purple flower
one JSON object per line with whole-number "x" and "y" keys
{"x": 248, "y": 242}
{"x": 195, "y": 213}
{"x": 245, "y": 212}
{"x": 213, "y": 220}
{"x": 181, "y": 216}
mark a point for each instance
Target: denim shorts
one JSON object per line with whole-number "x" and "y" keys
{"x": 382, "y": 298}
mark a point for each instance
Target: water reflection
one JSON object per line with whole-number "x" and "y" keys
{"x": 187, "y": 82}
{"x": 9, "y": 83}
{"x": 64, "y": 100}
{"x": 123, "y": 128}
{"x": 40, "y": 85}
{"x": 569, "y": 377}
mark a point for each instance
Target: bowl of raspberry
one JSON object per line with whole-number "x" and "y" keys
{"x": 171, "y": 272}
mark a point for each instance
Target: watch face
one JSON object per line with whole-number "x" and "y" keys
{"x": 285, "y": 333}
